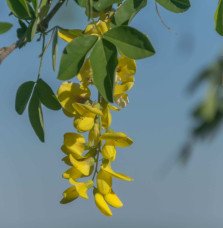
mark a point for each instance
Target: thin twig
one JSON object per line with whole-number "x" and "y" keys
{"x": 161, "y": 19}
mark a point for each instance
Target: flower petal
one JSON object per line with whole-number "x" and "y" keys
{"x": 84, "y": 109}
{"x": 109, "y": 151}
{"x": 73, "y": 143}
{"x": 104, "y": 182}
{"x": 118, "y": 138}
{"x": 69, "y": 93}
{"x": 69, "y": 195}
{"x": 72, "y": 173}
{"x": 106, "y": 166}
{"x": 83, "y": 124}
{"x": 113, "y": 200}
{"x": 82, "y": 187}
{"x": 101, "y": 203}
{"x": 69, "y": 34}
{"x": 84, "y": 166}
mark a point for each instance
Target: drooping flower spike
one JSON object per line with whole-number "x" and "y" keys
{"x": 91, "y": 151}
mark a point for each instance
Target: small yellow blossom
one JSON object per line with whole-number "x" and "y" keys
{"x": 78, "y": 189}
{"x": 97, "y": 29}
{"x": 109, "y": 151}
{"x": 73, "y": 143}
{"x": 101, "y": 203}
{"x": 69, "y": 93}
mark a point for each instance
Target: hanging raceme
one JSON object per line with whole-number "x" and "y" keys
{"x": 91, "y": 151}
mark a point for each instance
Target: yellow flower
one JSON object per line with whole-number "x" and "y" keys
{"x": 85, "y": 118}
{"x": 85, "y": 166}
{"x": 104, "y": 182}
{"x": 117, "y": 139}
{"x": 78, "y": 189}
{"x": 106, "y": 166}
{"x": 85, "y": 76}
{"x": 109, "y": 151}
{"x": 126, "y": 69}
{"x": 97, "y": 29}
{"x": 69, "y": 34}
{"x": 101, "y": 203}
{"x": 69, "y": 93}
{"x": 125, "y": 72}
{"x": 120, "y": 95}
{"x": 73, "y": 143}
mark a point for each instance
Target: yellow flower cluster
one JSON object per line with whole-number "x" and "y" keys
{"x": 94, "y": 142}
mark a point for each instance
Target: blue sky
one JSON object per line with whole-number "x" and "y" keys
{"x": 157, "y": 119}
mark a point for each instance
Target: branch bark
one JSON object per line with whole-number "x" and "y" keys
{"x": 6, "y": 51}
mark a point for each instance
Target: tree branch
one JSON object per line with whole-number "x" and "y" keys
{"x": 6, "y": 51}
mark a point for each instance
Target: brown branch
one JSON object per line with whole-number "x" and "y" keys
{"x": 5, "y": 51}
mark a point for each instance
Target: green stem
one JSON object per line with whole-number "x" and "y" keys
{"x": 99, "y": 144}
{"x": 41, "y": 57}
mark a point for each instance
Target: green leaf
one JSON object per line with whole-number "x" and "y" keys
{"x": 36, "y": 115}
{"x": 5, "y": 27}
{"x": 23, "y": 95}
{"x": 176, "y": 6}
{"x": 219, "y": 18}
{"x": 101, "y": 5}
{"x": 130, "y": 42}
{"x": 47, "y": 96}
{"x": 54, "y": 49}
{"x": 74, "y": 55}
{"x": 19, "y": 8}
{"x": 126, "y": 12}
{"x": 104, "y": 61}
